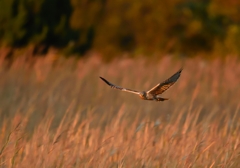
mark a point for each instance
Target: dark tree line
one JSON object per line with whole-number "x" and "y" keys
{"x": 173, "y": 26}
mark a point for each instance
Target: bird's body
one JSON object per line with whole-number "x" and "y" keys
{"x": 152, "y": 94}
{"x": 146, "y": 96}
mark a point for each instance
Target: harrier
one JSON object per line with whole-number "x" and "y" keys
{"x": 152, "y": 94}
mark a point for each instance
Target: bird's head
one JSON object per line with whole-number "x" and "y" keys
{"x": 142, "y": 95}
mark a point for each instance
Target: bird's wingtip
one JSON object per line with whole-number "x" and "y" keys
{"x": 104, "y": 80}
{"x": 180, "y": 70}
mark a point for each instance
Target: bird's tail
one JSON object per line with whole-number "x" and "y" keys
{"x": 162, "y": 99}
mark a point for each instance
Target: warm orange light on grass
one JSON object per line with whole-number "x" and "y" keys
{"x": 70, "y": 119}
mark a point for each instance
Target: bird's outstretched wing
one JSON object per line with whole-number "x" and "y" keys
{"x": 161, "y": 87}
{"x": 119, "y": 87}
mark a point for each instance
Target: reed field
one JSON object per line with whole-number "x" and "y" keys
{"x": 58, "y": 113}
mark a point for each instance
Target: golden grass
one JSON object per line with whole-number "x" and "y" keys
{"x": 57, "y": 113}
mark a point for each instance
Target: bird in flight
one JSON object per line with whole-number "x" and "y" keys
{"x": 152, "y": 94}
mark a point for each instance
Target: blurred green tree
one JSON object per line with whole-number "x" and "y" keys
{"x": 12, "y": 20}
{"x": 139, "y": 27}
{"x": 200, "y": 30}
{"x": 42, "y": 22}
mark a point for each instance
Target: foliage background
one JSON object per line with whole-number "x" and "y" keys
{"x": 183, "y": 27}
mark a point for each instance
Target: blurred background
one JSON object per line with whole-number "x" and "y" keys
{"x": 56, "y": 112}
{"x": 182, "y": 27}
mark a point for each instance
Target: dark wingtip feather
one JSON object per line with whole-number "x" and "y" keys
{"x": 104, "y": 80}
{"x": 180, "y": 70}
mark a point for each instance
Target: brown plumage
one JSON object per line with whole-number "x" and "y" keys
{"x": 152, "y": 94}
